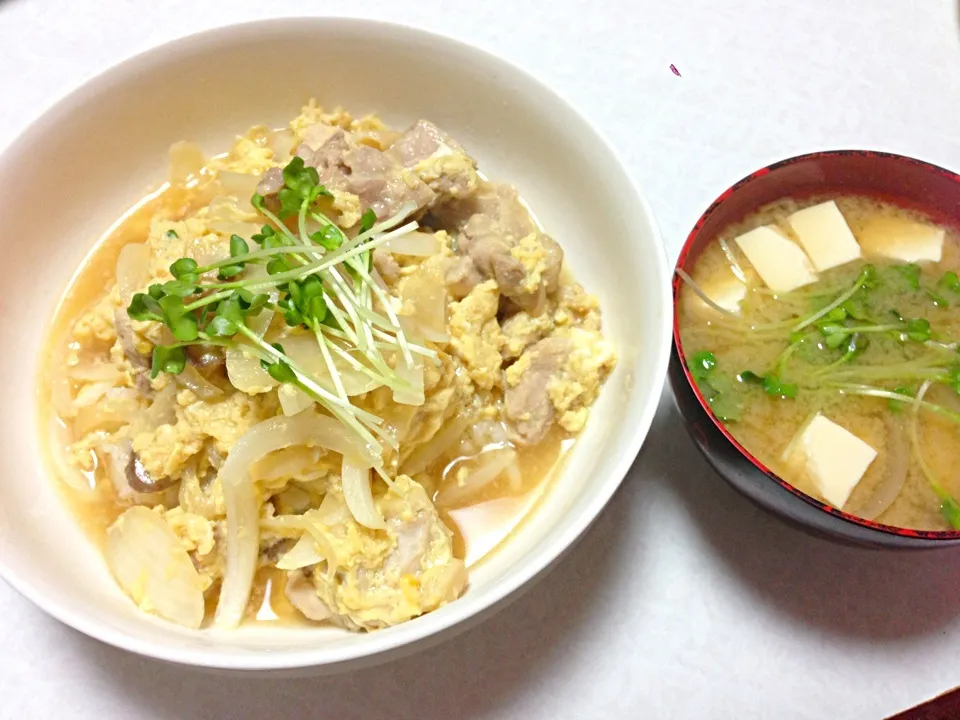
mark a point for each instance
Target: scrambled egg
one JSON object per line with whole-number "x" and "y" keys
{"x": 475, "y": 334}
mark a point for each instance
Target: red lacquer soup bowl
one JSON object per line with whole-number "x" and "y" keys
{"x": 895, "y": 178}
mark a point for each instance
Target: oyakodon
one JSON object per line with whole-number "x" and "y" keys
{"x": 315, "y": 354}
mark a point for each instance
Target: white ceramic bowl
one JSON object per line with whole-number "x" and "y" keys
{"x": 76, "y": 169}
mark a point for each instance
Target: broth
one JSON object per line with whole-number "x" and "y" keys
{"x": 848, "y": 384}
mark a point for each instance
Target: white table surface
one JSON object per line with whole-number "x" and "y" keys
{"x": 683, "y": 601}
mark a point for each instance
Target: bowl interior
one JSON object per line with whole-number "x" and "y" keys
{"x": 94, "y": 154}
{"x": 895, "y": 178}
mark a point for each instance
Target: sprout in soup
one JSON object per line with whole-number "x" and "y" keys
{"x": 319, "y": 376}
{"x": 824, "y": 335}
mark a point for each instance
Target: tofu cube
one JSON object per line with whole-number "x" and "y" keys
{"x": 901, "y": 239}
{"x": 725, "y": 289}
{"x": 779, "y": 261}
{"x": 825, "y": 235}
{"x": 832, "y": 457}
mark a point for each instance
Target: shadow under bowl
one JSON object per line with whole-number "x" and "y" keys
{"x": 903, "y": 181}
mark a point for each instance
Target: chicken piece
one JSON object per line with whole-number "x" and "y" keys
{"x": 302, "y": 594}
{"x": 438, "y": 160}
{"x": 528, "y": 408}
{"x": 347, "y": 167}
{"x": 386, "y": 577}
{"x": 386, "y": 265}
{"x": 461, "y": 276}
{"x": 503, "y": 243}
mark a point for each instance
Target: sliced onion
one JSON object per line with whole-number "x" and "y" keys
{"x": 91, "y": 393}
{"x": 60, "y": 438}
{"x": 93, "y": 372}
{"x": 61, "y": 396}
{"x": 359, "y": 496}
{"x": 281, "y": 144}
{"x": 456, "y": 493}
{"x": 895, "y": 475}
{"x": 291, "y": 462}
{"x": 133, "y": 270}
{"x": 186, "y": 162}
{"x": 260, "y": 322}
{"x": 235, "y": 227}
{"x": 293, "y": 400}
{"x": 416, "y": 243}
{"x": 246, "y": 374}
{"x": 118, "y": 407}
{"x": 305, "y": 553}
{"x": 191, "y": 379}
{"x": 413, "y": 395}
{"x": 305, "y": 351}
{"x": 163, "y": 410}
{"x": 153, "y": 568}
{"x": 242, "y": 539}
{"x": 424, "y": 456}
{"x": 332, "y": 511}
{"x": 239, "y": 185}
{"x": 426, "y": 293}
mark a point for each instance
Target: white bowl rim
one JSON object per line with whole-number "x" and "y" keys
{"x": 454, "y": 617}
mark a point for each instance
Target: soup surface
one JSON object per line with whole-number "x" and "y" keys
{"x": 317, "y": 377}
{"x": 845, "y": 383}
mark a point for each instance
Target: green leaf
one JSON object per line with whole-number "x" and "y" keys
{"x": 856, "y": 308}
{"x": 144, "y": 307}
{"x": 367, "y": 220}
{"x": 231, "y": 309}
{"x": 910, "y": 274}
{"x": 238, "y": 246}
{"x": 918, "y": 329}
{"x": 726, "y": 407}
{"x": 221, "y": 326}
{"x": 701, "y": 364}
{"x": 279, "y": 370}
{"x": 293, "y": 173}
{"x": 950, "y": 281}
{"x": 172, "y": 235}
{"x": 254, "y": 303}
{"x": 869, "y": 277}
{"x": 771, "y": 384}
{"x": 290, "y": 203}
{"x": 183, "y": 266}
{"x": 290, "y": 312}
{"x": 229, "y": 271}
{"x": 266, "y": 235}
{"x": 837, "y": 315}
{"x": 277, "y": 265}
{"x": 257, "y": 201}
{"x": 856, "y": 345}
{"x": 938, "y": 300}
{"x": 950, "y": 511}
{"x": 182, "y": 324}
{"x": 180, "y": 288}
{"x": 156, "y": 291}
{"x": 169, "y": 359}
{"x": 328, "y": 237}
{"x": 897, "y": 405}
{"x": 317, "y": 309}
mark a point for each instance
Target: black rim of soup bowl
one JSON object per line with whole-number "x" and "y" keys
{"x": 735, "y": 463}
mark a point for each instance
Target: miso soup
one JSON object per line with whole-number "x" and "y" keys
{"x": 823, "y": 333}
